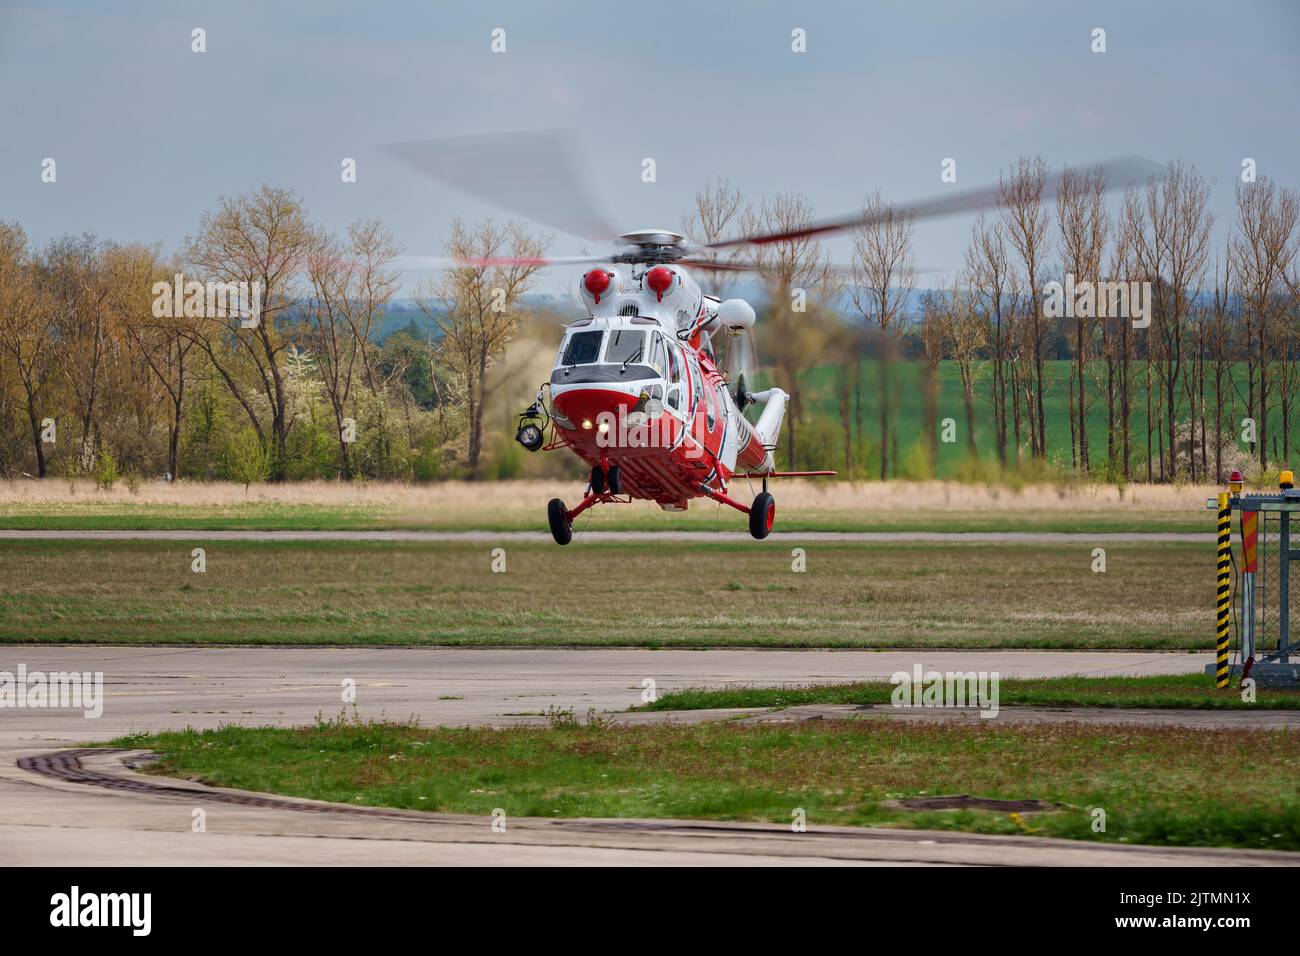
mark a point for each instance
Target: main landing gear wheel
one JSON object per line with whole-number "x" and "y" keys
{"x": 558, "y": 515}
{"x": 598, "y": 480}
{"x": 761, "y": 515}
{"x": 615, "y": 480}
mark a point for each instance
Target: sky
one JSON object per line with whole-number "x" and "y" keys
{"x": 147, "y": 134}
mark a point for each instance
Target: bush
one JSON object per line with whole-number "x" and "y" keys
{"x": 917, "y": 463}
{"x": 106, "y": 471}
{"x": 247, "y": 460}
{"x": 507, "y": 461}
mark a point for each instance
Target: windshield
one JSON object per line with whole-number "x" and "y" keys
{"x": 625, "y": 346}
{"x": 582, "y": 349}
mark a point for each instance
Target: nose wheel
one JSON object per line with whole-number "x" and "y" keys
{"x": 762, "y": 514}
{"x": 561, "y": 526}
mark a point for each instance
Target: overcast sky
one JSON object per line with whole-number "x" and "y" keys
{"x": 147, "y": 134}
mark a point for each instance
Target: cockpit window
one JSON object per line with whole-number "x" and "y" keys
{"x": 583, "y": 348}
{"x": 625, "y": 346}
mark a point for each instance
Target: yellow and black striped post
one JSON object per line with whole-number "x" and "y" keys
{"x": 1224, "y": 599}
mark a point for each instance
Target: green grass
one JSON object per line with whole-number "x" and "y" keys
{"x": 254, "y": 516}
{"x": 821, "y": 400}
{"x": 1169, "y": 786}
{"x": 666, "y": 594}
{"x": 704, "y": 516}
{"x": 1190, "y": 691}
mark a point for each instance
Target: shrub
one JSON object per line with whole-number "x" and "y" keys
{"x": 247, "y": 460}
{"x": 106, "y": 471}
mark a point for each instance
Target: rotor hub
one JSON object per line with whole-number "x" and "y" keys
{"x": 651, "y": 245}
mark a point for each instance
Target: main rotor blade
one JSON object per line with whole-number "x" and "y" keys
{"x": 413, "y": 263}
{"x": 534, "y": 175}
{"x": 1119, "y": 173}
{"x": 720, "y": 266}
{"x": 838, "y": 268}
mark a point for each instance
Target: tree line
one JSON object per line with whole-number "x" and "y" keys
{"x": 96, "y": 379}
{"x": 1193, "y": 375}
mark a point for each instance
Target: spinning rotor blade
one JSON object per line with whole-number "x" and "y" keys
{"x": 838, "y": 268}
{"x": 1120, "y": 173}
{"x": 412, "y": 263}
{"x": 719, "y": 266}
{"x": 533, "y": 175}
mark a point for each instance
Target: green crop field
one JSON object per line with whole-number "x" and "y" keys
{"x": 821, "y": 399}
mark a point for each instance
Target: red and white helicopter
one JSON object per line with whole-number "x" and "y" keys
{"x": 636, "y": 391}
{"x": 638, "y": 394}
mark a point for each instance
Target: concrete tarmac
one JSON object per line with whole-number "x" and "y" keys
{"x": 49, "y": 820}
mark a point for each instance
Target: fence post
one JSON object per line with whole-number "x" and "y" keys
{"x": 1224, "y": 598}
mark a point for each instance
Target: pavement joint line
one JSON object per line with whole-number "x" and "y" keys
{"x": 65, "y": 765}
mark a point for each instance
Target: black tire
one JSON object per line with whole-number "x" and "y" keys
{"x": 761, "y": 515}
{"x": 598, "y": 480}
{"x": 558, "y": 516}
{"x": 615, "y": 480}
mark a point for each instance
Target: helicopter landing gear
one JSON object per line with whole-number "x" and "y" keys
{"x": 762, "y": 513}
{"x": 603, "y": 481}
{"x": 561, "y": 525}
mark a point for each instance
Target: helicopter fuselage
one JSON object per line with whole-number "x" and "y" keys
{"x": 636, "y": 387}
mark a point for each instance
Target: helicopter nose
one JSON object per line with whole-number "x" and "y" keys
{"x": 593, "y": 410}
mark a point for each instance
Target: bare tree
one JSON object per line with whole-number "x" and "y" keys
{"x": 965, "y": 331}
{"x": 934, "y": 335}
{"x": 1025, "y": 220}
{"x": 163, "y": 343}
{"x": 799, "y": 279}
{"x": 990, "y": 281}
{"x": 1262, "y": 251}
{"x": 1081, "y": 215}
{"x": 261, "y": 238}
{"x": 717, "y": 206}
{"x": 80, "y": 286}
{"x": 882, "y": 276}
{"x": 351, "y": 284}
{"x": 26, "y": 330}
{"x": 476, "y": 307}
{"x": 1170, "y": 226}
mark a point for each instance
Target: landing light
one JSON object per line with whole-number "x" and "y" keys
{"x": 530, "y": 436}
{"x": 586, "y": 423}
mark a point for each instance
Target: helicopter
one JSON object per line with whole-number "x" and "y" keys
{"x": 636, "y": 390}
{"x": 638, "y": 394}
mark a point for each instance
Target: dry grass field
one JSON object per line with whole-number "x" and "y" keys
{"x": 802, "y": 505}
